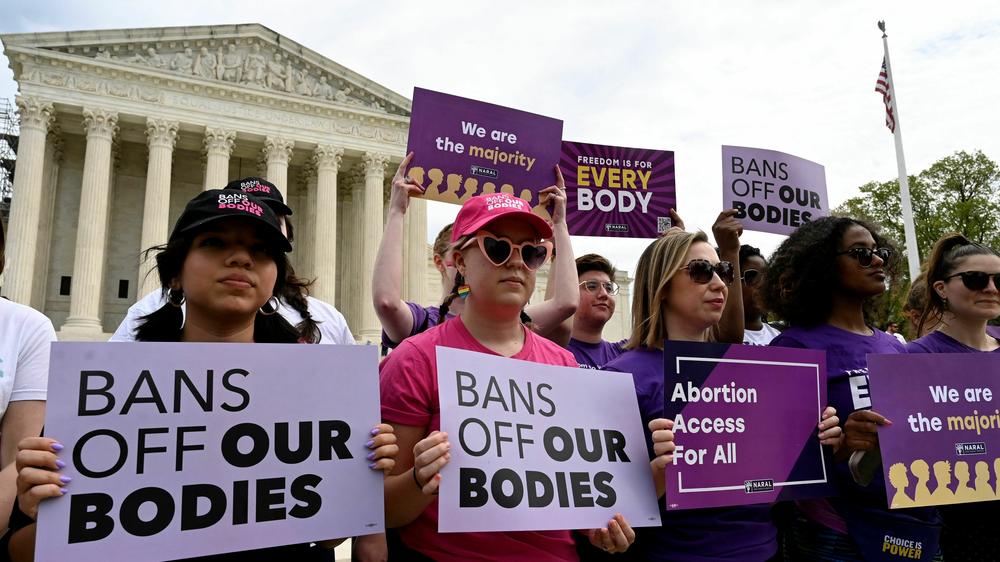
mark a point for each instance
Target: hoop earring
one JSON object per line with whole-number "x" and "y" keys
{"x": 273, "y": 306}
{"x": 173, "y": 299}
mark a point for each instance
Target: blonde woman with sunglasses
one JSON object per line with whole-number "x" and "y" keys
{"x": 498, "y": 245}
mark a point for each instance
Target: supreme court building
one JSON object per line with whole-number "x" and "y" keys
{"x": 120, "y": 128}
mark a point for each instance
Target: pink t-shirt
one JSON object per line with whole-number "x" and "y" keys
{"x": 409, "y": 389}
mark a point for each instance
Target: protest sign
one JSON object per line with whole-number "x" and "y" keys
{"x": 464, "y": 147}
{"x": 617, "y": 191}
{"x": 539, "y": 447}
{"x": 179, "y": 450}
{"x": 943, "y": 446}
{"x": 773, "y": 191}
{"x": 745, "y": 422}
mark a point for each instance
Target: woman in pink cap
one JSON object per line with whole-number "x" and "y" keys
{"x": 498, "y": 245}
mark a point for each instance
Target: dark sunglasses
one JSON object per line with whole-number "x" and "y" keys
{"x": 751, "y": 276}
{"x": 977, "y": 280}
{"x": 498, "y": 249}
{"x": 865, "y": 255}
{"x": 701, "y": 271}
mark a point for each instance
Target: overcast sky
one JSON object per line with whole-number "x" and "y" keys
{"x": 797, "y": 77}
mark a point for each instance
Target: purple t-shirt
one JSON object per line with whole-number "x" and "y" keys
{"x": 594, "y": 355}
{"x": 939, "y": 342}
{"x": 698, "y": 535}
{"x": 424, "y": 317}
{"x": 862, "y": 508}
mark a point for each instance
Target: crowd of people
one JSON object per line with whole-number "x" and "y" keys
{"x": 225, "y": 277}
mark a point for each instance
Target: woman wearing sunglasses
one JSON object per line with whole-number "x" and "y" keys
{"x": 963, "y": 289}
{"x": 498, "y": 245}
{"x": 821, "y": 280}
{"x": 680, "y": 291}
{"x": 752, "y": 266}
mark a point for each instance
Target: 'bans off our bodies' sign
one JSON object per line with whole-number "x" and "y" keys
{"x": 539, "y": 447}
{"x": 464, "y": 147}
{"x": 745, "y": 422}
{"x": 773, "y": 191}
{"x": 944, "y": 444}
{"x": 179, "y": 450}
{"x": 617, "y": 191}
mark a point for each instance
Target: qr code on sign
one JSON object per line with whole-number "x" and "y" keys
{"x": 663, "y": 224}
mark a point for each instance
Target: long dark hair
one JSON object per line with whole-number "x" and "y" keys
{"x": 948, "y": 251}
{"x": 164, "y": 324}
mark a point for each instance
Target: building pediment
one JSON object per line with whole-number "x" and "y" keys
{"x": 244, "y": 57}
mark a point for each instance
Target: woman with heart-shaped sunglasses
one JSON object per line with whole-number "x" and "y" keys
{"x": 498, "y": 244}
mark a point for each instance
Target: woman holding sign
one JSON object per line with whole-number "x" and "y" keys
{"x": 681, "y": 289}
{"x": 498, "y": 245}
{"x": 963, "y": 293}
{"x": 822, "y": 279}
{"x": 226, "y": 259}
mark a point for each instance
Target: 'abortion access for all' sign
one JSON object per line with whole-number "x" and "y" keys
{"x": 464, "y": 147}
{"x": 745, "y": 422}
{"x": 773, "y": 191}
{"x": 539, "y": 447}
{"x": 179, "y": 450}
{"x": 617, "y": 191}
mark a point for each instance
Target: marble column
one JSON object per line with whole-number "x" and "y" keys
{"x": 161, "y": 137}
{"x": 278, "y": 152}
{"x": 88, "y": 261}
{"x": 218, "y": 148}
{"x": 53, "y": 161}
{"x": 26, "y": 205}
{"x": 324, "y": 259}
{"x": 353, "y": 277}
{"x": 305, "y": 223}
{"x": 374, "y": 166}
{"x": 416, "y": 256}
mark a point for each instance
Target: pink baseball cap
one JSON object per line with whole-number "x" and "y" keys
{"x": 481, "y": 210}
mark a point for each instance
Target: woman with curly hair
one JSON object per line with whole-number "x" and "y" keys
{"x": 822, "y": 280}
{"x": 962, "y": 285}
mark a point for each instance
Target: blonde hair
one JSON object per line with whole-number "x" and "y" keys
{"x": 657, "y": 266}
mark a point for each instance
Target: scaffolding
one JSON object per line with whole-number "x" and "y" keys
{"x": 8, "y": 153}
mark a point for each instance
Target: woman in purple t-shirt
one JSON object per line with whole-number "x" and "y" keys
{"x": 962, "y": 288}
{"x": 681, "y": 289}
{"x": 821, "y": 280}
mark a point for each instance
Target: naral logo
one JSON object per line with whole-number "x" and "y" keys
{"x": 753, "y": 486}
{"x": 484, "y": 172}
{"x": 962, "y": 449}
{"x": 616, "y": 228}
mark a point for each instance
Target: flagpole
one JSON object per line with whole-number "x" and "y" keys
{"x": 912, "y": 251}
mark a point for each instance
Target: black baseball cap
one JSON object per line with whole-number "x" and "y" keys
{"x": 263, "y": 190}
{"x": 217, "y": 204}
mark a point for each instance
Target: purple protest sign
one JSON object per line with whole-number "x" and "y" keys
{"x": 539, "y": 447}
{"x": 744, "y": 424}
{"x": 773, "y": 191}
{"x": 944, "y": 444}
{"x": 179, "y": 450}
{"x": 464, "y": 147}
{"x": 617, "y": 191}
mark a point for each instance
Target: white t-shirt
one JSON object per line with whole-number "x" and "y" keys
{"x": 25, "y": 338}
{"x": 762, "y": 336}
{"x": 332, "y": 325}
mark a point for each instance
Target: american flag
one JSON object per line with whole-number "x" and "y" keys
{"x": 884, "y": 87}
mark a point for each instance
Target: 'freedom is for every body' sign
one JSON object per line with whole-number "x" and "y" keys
{"x": 464, "y": 147}
{"x": 944, "y": 444}
{"x": 539, "y": 447}
{"x": 745, "y": 424}
{"x": 179, "y": 450}
{"x": 773, "y": 191}
{"x": 618, "y": 191}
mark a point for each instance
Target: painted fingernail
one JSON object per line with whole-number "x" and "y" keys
{"x": 57, "y": 446}
{"x": 375, "y": 431}
{"x": 370, "y": 443}
{"x": 65, "y": 479}
{"x": 371, "y": 456}
{"x": 372, "y": 465}
{"x": 63, "y": 491}
{"x": 60, "y": 463}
